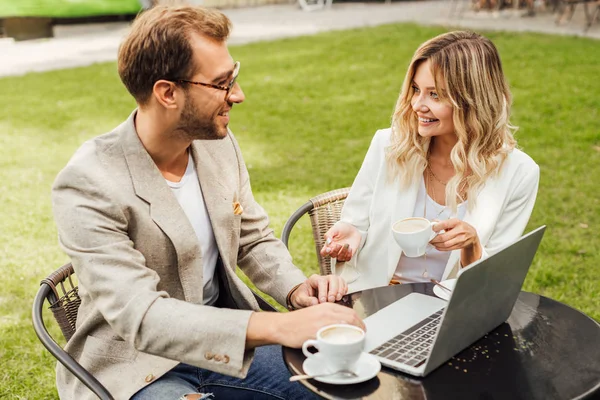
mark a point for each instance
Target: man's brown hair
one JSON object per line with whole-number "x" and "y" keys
{"x": 158, "y": 45}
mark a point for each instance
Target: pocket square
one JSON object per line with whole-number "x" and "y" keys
{"x": 237, "y": 208}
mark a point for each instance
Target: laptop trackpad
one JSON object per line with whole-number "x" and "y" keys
{"x": 394, "y": 319}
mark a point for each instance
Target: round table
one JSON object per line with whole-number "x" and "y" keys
{"x": 546, "y": 350}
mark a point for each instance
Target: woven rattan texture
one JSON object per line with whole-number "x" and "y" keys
{"x": 65, "y": 308}
{"x": 326, "y": 212}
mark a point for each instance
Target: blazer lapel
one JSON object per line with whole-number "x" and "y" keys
{"x": 402, "y": 205}
{"x": 482, "y": 217}
{"x": 489, "y": 204}
{"x": 217, "y": 196}
{"x": 150, "y": 185}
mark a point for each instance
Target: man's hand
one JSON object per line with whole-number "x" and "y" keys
{"x": 318, "y": 289}
{"x": 296, "y": 327}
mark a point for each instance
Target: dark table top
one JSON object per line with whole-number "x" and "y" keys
{"x": 546, "y": 350}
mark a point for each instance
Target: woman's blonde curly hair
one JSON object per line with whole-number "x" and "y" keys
{"x": 468, "y": 75}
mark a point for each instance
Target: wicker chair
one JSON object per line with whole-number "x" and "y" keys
{"x": 63, "y": 296}
{"x": 324, "y": 211}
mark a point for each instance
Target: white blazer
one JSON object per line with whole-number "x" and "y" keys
{"x": 502, "y": 210}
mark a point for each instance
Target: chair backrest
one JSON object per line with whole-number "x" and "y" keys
{"x": 64, "y": 299}
{"x": 324, "y": 210}
{"x": 62, "y": 294}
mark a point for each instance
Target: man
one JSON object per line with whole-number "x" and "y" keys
{"x": 156, "y": 215}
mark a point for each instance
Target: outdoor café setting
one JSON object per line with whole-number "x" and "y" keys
{"x": 300, "y": 199}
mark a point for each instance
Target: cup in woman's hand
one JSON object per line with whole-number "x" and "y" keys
{"x": 338, "y": 346}
{"x": 413, "y": 234}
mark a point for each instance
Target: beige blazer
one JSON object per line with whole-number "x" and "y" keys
{"x": 503, "y": 207}
{"x": 139, "y": 263}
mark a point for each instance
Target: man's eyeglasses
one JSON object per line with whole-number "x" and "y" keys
{"x": 227, "y": 89}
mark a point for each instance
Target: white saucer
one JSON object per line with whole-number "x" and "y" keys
{"x": 366, "y": 367}
{"x": 443, "y": 293}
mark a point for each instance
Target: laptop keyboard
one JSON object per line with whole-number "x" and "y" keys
{"x": 412, "y": 346}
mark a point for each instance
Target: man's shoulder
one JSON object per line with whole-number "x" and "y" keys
{"x": 93, "y": 157}
{"x": 97, "y": 146}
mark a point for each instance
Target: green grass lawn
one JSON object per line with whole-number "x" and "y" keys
{"x": 67, "y": 8}
{"x": 312, "y": 107}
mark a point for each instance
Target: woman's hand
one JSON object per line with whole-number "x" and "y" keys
{"x": 342, "y": 241}
{"x": 458, "y": 235}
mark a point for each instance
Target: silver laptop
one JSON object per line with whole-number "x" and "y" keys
{"x": 418, "y": 333}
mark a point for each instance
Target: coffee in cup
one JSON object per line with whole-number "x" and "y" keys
{"x": 413, "y": 234}
{"x": 339, "y": 346}
{"x": 341, "y": 335}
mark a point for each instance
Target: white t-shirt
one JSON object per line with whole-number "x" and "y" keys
{"x": 411, "y": 269}
{"x": 189, "y": 195}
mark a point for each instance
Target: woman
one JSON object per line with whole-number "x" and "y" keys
{"x": 449, "y": 156}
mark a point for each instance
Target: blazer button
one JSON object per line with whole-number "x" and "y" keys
{"x": 218, "y": 357}
{"x": 225, "y": 358}
{"x": 208, "y": 355}
{"x": 149, "y": 378}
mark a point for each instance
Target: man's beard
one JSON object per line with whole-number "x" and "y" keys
{"x": 193, "y": 127}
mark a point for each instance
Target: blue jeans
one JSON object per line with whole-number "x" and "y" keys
{"x": 268, "y": 379}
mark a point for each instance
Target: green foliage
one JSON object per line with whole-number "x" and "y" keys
{"x": 312, "y": 106}
{"x": 67, "y": 8}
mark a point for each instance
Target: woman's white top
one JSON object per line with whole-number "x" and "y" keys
{"x": 410, "y": 269}
{"x": 500, "y": 211}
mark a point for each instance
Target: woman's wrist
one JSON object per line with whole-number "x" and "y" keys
{"x": 470, "y": 254}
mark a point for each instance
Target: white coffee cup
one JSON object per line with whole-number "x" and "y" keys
{"x": 413, "y": 234}
{"x": 340, "y": 346}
